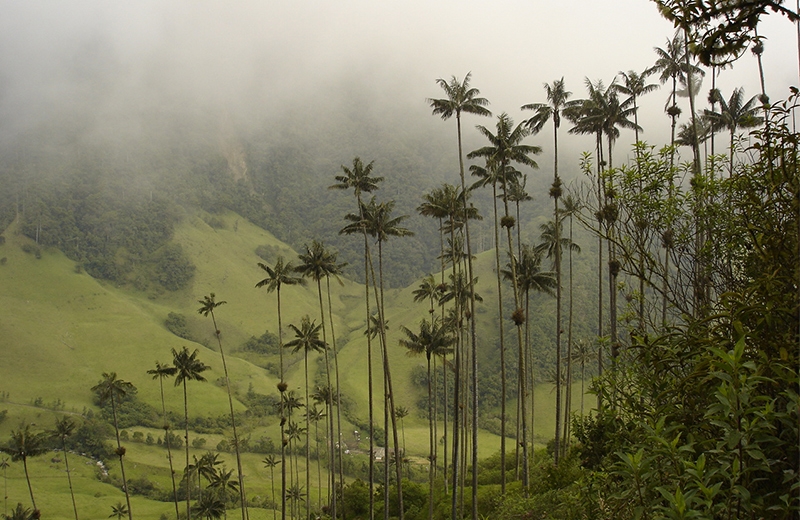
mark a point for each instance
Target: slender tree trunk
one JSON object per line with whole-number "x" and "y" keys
{"x": 338, "y": 396}
{"x": 169, "y": 453}
{"x": 473, "y": 332}
{"x": 282, "y": 389}
{"x": 120, "y": 454}
{"x": 432, "y": 441}
{"x": 242, "y": 494}
{"x": 186, "y": 443}
{"x": 28, "y": 479}
{"x": 502, "y": 345}
{"x": 332, "y": 455}
{"x": 69, "y": 476}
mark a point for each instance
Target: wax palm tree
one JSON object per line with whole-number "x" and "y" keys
{"x": 490, "y": 175}
{"x": 506, "y": 148}
{"x": 270, "y": 462}
{"x": 428, "y": 289}
{"x": 358, "y": 178}
{"x": 557, "y": 96}
{"x": 671, "y": 65}
{"x": 63, "y": 430}
{"x": 307, "y": 340}
{"x": 113, "y": 389}
{"x": 572, "y": 206}
{"x": 120, "y": 511}
{"x": 433, "y": 339}
{"x": 21, "y": 513}
{"x": 583, "y": 354}
{"x": 223, "y": 485}
{"x": 206, "y": 467}
{"x": 162, "y": 372}
{"x": 461, "y": 98}
{"x": 733, "y": 114}
{"x": 207, "y": 306}
{"x": 317, "y": 263}
{"x": 529, "y": 278}
{"x": 188, "y": 368}
{"x": 278, "y": 276}
{"x": 377, "y": 220}
{"x": 634, "y": 85}
{"x": 210, "y": 507}
{"x": 552, "y": 244}
{"x": 24, "y": 444}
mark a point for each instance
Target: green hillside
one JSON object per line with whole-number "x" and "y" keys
{"x": 63, "y": 329}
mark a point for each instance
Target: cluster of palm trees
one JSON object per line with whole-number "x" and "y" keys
{"x": 450, "y": 336}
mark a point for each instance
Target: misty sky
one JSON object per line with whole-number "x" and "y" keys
{"x": 103, "y": 60}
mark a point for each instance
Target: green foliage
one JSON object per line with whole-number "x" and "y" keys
{"x": 709, "y": 410}
{"x": 173, "y": 270}
{"x": 176, "y": 324}
{"x": 90, "y": 439}
{"x": 267, "y": 343}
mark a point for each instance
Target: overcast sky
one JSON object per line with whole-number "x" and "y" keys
{"x": 254, "y": 59}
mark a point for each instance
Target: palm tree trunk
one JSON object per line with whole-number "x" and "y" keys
{"x": 502, "y": 345}
{"x": 282, "y": 389}
{"x": 308, "y": 440}
{"x": 338, "y": 436}
{"x": 169, "y": 452}
{"x": 242, "y": 494}
{"x": 332, "y": 455}
{"x": 69, "y": 477}
{"x": 473, "y": 332}
{"x": 28, "y": 479}
{"x": 120, "y": 454}
{"x": 432, "y": 441}
{"x": 186, "y": 442}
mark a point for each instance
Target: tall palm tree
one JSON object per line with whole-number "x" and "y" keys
{"x": 461, "y": 98}
{"x": 113, "y": 389}
{"x": 572, "y": 206}
{"x": 377, "y": 220}
{"x": 433, "y": 339}
{"x": 161, "y": 372}
{"x": 270, "y": 462}
{"x": 506, "y": 148}
{"x": 64, "y": 429}
{"x": 359, "y": 180}
{"x": 207, "y": 306}
{"x": 307, "y": 340}
{"x": 490, "y": 175}
{"x": 23, "y": 444}
{"x": 552, "y": 245}
{"x": 278, "y": 276}
{"x": 317, "y": 263}
{"x": 188, "y": 368}
{"x": 206, "y": 467}
{"x": 223, "y": 485}
{"x": 557, "y": 96}
{"x": 733, "y": 114}
{"x": 634, "y": 85}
